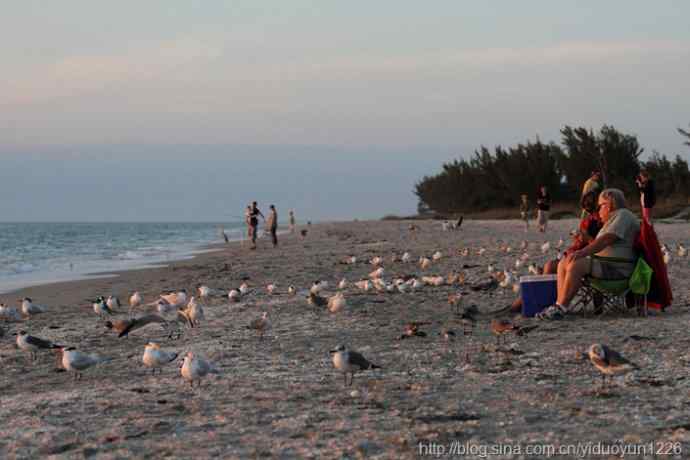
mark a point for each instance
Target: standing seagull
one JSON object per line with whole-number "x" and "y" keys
{"x": 350, "y": 362}
{"x": 134, "y": 301}
{"x": 32, "y": 344}
{"x": 261, "y": 325}
{"x": 101, "y": 308}
{"x": 155, "y": 358}
{"x": 609, "y": 362}
{"x": 194, "y": 368}
{"x": 9, "y": 313}
{"x": 29, "y": 308}
{"x": 113, "y": 302}
{"x": 76, "y": 361}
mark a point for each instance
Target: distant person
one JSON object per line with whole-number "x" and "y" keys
{"x": 543, "y": 207}
{"x": 254, "y": 214}
{"x": 291, "y": 213}
{"x": 647, "y": 195}
{"x": 593, "y": 184}
{"x": 272, "y": 224}
{"x": 524, "y": 210}
{"x": 247, "y": 220}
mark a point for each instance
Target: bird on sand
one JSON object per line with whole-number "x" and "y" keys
{"x": 350, "y": 362}
{"x": 406, "y": 257}
{"x": 500, "y": 327}
{"x": 261, "y": 325}
{"x": 175, "y": 299}
{"x": 9, "y": 313}
{"x": 113, "y": 302}
{"x": 100, "y": 307}
{"x": 342, "y": 284}
{"x": 29, "y": 308}
{"x": 124, "y": 326}
{"x": 234, "y": 295}
{"x": 412, "y": 330}
{"x": 318, "y": 286}
{"x": 337, "y": 303}
{"x": 424, "y": 262}
{"x": 32, "y": 344}
{"x": 364, "y": 285}
{"x": 134, "y": 301}
{"x": 291, "y": 290}
{"x": 155, "y": 358}
{"x": 244, "y": 288}
{"x": 194, "y": 368}
{"x": 77, "y": 361}
{"x": 545, "y": 247}
{"x": 317, "y": 300}
{"x": 608, "y": 361}
{"x": 271, "y": 288}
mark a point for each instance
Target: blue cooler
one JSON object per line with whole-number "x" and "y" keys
{"x": 537, "y": 292}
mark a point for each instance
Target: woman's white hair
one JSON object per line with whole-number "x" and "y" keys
{"x": 615, "y": 196}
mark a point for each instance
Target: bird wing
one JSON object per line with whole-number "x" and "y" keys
{"x": 39, "y": 343}
{"x": 614, "y": 358}
{"x": 81, "y": 361}
{"x": 356, "y": 359}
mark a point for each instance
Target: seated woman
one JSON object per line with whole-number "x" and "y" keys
{"x": 587, "y": 231}
{"x": 610, "y": 256}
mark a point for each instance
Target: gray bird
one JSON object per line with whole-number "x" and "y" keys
{"x": 350, "y": 362}
{"x": 32, "y": 344}
{"x": 609, "y": 362}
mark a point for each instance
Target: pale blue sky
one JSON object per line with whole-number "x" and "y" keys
{"x": 334, "y": 108}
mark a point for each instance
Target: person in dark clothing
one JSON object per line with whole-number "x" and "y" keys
{"x": 543, "y": 207}
{"x": 647, "y": 195}
{"x": 254, "y": 214}
{"x": 272, "y": 225}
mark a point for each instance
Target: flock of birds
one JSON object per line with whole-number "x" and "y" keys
{"x": 174, "y": 311}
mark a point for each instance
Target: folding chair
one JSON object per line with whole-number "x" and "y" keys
{"x": 610, "y": 296}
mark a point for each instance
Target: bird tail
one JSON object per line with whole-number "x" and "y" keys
{"x": 173, "y": 357}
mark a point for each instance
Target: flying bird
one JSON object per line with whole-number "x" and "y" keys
{"x": 350, "y": 362}
{"x": 124, "y": 326}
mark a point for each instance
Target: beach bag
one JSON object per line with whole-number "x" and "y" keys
{"x": 641, "y": 278}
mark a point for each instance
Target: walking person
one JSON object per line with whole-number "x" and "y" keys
{"x": 543, "y": 207}
{"x": 524, "y": 211}
{"x": 647, "y": 195}
{"x": 272, "y": 224}
{"x": 292, "y": 221}
{"x": 254, "y": 214}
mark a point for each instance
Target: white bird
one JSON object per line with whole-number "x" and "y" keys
{"x": 350, "y": 362}
{"x": 234, "y": 295}
{"x": 508, "y": 249}
{"x": 437, "y": 255}
{"x": 134, "y": 301}
{"x": 9, "y": 313}
{"x": 560, "y": 243}
{"x": 204, "y": 291}
{"x": 336, "y": 303}
{"x": 342, "y": 284}
{"x": 175, "y": 299}
{"x": 194, "y": 312}
{"x": 244, "y": 288}
{"x": 681, "y": 250}
{"x": 352, "y": 260}
{"x": 507, "y": 279}
{"x": 101, "y": 308}
{"x": 608, "y": 361}
{"x": 378, "y": 273}
{"x": 518, "y": 264}
{"x": 318, "y": 286}
{"x": 194, "y": 368}
{"x": 271, "y": 288}
{"x": 667, "y": 257}
{"x": 533, "y": 269}
{"x": 29, "y": 308}
{"x": 391, "y": 287}
{"x": 113, "y": 302}
{"x": 291, "y": 290}
{"x": 76, "y": 361}
{"x": 364, "y": 285}
{"x": 32, "y": 344}
{"x": 490, "y": 268}
{"x": 376, "y": 261}
{"x": 481, "y": 251}
{"x": 406, "y": 257}
{"x": 424, "y": 263}
{"x": 261, "y": 325}
{"x": 155, "y": 358}
{"x": 545, "y": 247}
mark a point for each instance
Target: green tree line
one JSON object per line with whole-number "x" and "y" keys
{"x": 489, "y": 180}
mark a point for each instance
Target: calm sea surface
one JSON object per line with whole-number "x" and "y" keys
{"x": 37, "y": 253}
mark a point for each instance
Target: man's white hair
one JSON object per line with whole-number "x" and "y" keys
{"x": 615, "y": 196}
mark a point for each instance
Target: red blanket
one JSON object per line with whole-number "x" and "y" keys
{"x": 647, "y": 244}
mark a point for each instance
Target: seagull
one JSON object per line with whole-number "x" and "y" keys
{"x": 378, "y": 273}
{"x": 499, "y": 327}
{"x": 481, "y": 251}
{"x": 545, "y": 247}
{"x": 406, "y": 257}
{"x": 32, "y": 344}
{"x": 271, "y": 288}
{"x": 29, "y": 308}
{"x": 337, "y": 302}
{"x": 350, "y": 362}
{"x": 608, "y": 361}
{"x": 291, "y": 290}
{"x": 101, "y": 308}
{"x": 244, "y": 288}
{"x": 424, "y": 263}
{"x": 352, "y": 260}
{"x": 76, "y": 361}
{"x": 174, "y": 299}
{"x": 317, "y": 300}
{"x": 342, "y": 284}
{"x": 204, "y": 291}
{"x": 194, "y": 368}
{"x": 437, "y": 255}
{"x": 261, "y": 325}
{"x": 681, "y": 250}
{"x": 364, "y": 285}
{"x": 194, "y": 312}
{"x": 155, "y": 358}
{"x": 412, "y": 330}
{"x": 667, "y": 257}
{"x": 9, "y": 313}
{"x": 134, "y": 301}
{"x": 376, "y": 261}
{"x": 560, "y": 243}
{"x": 124, "y": 326}
{"x": 507, "y": 279}
{"x": 318, "y": 286}
{"x": 234, "y": 295}
{"x": 533, "y": 269}
{"x": 113, "y": 302}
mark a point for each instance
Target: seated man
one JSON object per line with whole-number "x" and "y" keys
{"x": 610, "y": 256}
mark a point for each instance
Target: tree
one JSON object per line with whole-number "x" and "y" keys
{"x": 684, "y": 133}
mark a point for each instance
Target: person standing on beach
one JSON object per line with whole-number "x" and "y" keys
{"x": 524, "y": 210}
{"x": 647, "y": 195}
{"x": 543, "y": 207}
{"x": 292, "y": 221}
{"x": 254, "y": 214}
{"x": 272, "y": 224}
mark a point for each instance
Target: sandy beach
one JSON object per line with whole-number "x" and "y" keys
{"x": 281, "y": 398}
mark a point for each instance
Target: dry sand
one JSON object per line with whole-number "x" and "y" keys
{"x": 281, "y": 398}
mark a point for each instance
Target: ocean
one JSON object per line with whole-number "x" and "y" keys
{"x": 39, "y": 253}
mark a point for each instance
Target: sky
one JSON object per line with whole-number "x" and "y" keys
{"x": 186, "y": 111}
